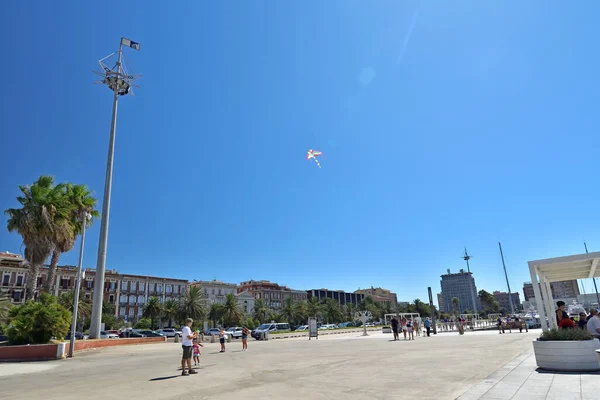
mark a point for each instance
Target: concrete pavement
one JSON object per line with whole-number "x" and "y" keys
{"x": 336, "y": 367}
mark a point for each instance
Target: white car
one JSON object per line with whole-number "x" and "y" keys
{"x": 108, "y": 335}
{"x": 370, "y": 325}
{"x": 235, "y": 332}
{"x": 302, "y": 328}
{"x": 328, "y": 326}
{"x": 169, "y": 332}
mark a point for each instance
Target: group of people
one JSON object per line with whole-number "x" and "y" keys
{"x": 409, "y": 327}
{"x": 590, "y": 322}
{"x": 190, "y": 345}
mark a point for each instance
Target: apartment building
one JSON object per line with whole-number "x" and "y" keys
{"x": 379, "y": 295}
{"x": 560, "y": 290}
{"x": 462, "y": 286}
{"x": 215, "y": 291}
{"x": 13, "y": 275}
{"x": 340, "y": 296}
{"x": 504, "y": 301}
{"x": 272, "y": 293}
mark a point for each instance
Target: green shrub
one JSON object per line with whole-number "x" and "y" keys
{"x": 38, "y": 322}
{"x": 386, "y": 327}
{"x": 143, "y": 323}
{"x": 566, "y": 334}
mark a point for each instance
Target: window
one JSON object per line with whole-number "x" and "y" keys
{"x": 112, "y": 285}
{"x": 123, "y": 299}
{"x": 111, "y": 299}
{"x": 64, "y": 283}
{"x": 88, "y": 285}
{"x": 140, "y": 312}
{"x": 213, "y": 291}
{"x": 5, "y": 280}
{"x": 20, "y": 280}
{"x": 168, "y": 289}
{"x": 140, "y": 299}
{"x": 16, "y": 296}
{"x": 122, "y": 312}
{"x": 159, "y": 288}
{"x": 123, "y": 285}
{"x": 219, "y": 292}
{"x": 176, "y": 289}
{"x": 87, "y": 296}
{"x": 142, "y": 286}
{"x": 131, "y": 299}
{"x": 131, "y": 312}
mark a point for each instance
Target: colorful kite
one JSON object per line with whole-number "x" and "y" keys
{"x": 312, "y": 155}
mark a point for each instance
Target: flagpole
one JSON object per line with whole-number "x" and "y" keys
{"x": 96, "y": 319}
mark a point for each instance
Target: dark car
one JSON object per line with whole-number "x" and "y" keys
{"x": 149, "y": 333}
{"x": 3, "y": 338}
{"x": 78, "y": 336}
{"x": 129, "y": 334}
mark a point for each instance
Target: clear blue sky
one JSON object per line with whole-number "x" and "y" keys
{"x": 443, "y": 124}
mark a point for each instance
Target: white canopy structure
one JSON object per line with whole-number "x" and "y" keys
{"x": 579, "y": 266}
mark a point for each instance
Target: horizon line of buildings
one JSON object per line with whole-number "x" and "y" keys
{"x": 129, "y": 292}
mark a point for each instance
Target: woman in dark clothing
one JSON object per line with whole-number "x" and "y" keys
{"x": 561, "y": 313}
{"x": 582, "y": 320}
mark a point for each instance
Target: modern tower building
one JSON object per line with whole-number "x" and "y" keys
{"x": 462, "y": 286}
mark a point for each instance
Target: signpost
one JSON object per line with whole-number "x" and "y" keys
{"x": 313, "y": 331}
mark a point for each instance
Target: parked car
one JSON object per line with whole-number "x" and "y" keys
{"x": 328, "y": 326}
{"x": 131, "y": 334}
{"x": 3, "y": 338}
{"x": 107, "y": 335}
{"x": 271, "y": 328}
{"x": 213, "y": 332}
{"x": 302, "y": 328}
{"x": 370, "y": 325}
{"x": 115, "y": 331}
{"x": 235, "y": 332}
{"x": 149, "y": 333}
{"x": 78, "y": 336}
{"x": 170, "y": 332}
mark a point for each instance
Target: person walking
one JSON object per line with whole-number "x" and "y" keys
{"x": 187, "y": 342}
{"x": 245, "y": 333}
{"x": 222, "y": 337}
{"x": 395, "y": 328}
{"x": 403, "y": 323}
{"x": 427, "y": 324}
{"x": 409, "y": 329}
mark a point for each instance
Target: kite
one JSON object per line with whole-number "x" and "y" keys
{"x": 312, "y": 155}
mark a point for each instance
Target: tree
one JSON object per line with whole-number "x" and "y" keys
{"x": 38, "y": 322}
{"x": 300, "y": 312}
{"x": 314, "y": 309}
{"x": 455, "y": 303}
{"x": 289, "y": 311}
{"x": 81, "y": 203}
{"x": 488, "y": 301}
{"x": 216, "y": 313}
{"x": 40, "y": 221}
{"x": 349, "y": 311}
{"x": 331, "y": 311}
{"x": 261, "y": 310}
{"x": 84, "y": 307}
{"x": 232, "y": 311}
{"x": 193, "y": 304}
{"x": 250, "y": 322}
{"x": 170, "y": 311}
{"x": 152, "y": 309}
{"x": 143, "y": 323}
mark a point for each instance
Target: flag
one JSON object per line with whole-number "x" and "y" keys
{"x": 130, "y": 43}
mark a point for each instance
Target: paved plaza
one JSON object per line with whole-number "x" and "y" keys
{"x": 446, "y": 366}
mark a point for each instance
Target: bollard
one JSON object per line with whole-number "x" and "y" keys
{"x": 229, "y": 338}
{"x": 176, "y": 339}
{"x": 212, "y": 338}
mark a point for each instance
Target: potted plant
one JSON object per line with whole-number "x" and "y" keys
{"x": 567, "y": 350}
{"x": 386, "y": 329}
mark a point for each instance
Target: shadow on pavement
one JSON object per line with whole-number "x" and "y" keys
{"x": 544, "y": 371}
{"x": 163, "y": 378}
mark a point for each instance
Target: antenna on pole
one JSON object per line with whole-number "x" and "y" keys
{"x": 512, "y": 306}
{"x": 467, "y": 257}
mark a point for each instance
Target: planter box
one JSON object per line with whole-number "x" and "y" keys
{"x": 386, "y": 330}
{"x": 567, "y": 355}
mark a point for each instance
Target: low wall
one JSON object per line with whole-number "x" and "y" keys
{"x": 324, "y": 332}
{"x": 56, "y": 351}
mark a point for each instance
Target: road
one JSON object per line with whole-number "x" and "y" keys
{"x": 336, "y": 367}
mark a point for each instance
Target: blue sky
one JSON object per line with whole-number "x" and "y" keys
{"x": 443, "y": 124}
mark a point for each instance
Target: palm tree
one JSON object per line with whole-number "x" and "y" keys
{"x": 332, "y": 311}
{"x": 216, "y": 313}
{"x": 288, "y": 313}
{"x": 152, "y": 309}
{"x": 300, "y": 312}
{"x": 40, "y": 221}
{"x": 81, "y": 203}
{"x": 261, "y": 310}
{"x": 193, "y": 304}
{"x": 84, "y": 307}
{"x": 232, "y": 311}
{"x": 349, "y": 311}
{"x": 170, "y": 311}
{"x": 455, "y": 303}
{"x": 314, "y": 308}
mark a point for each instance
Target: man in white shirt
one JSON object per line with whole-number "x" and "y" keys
{"x": 187, "y": 338}
{"x": 593, "y": 323}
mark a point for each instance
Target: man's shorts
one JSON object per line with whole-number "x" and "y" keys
{"x": 187, "y": 352}
{"x": 395, "y": 330}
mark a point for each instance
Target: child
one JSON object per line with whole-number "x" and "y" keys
{"x": 196, "y": 348}
{"x": 222, "y": 337}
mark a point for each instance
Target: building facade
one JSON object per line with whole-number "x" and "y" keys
{"x": 441, "y": 303}
{"x": 504, "y": 301}
{"x": 215, "y": 291}
{"x": 272, "y": 293}
{"x": 127, "y": 293}
{"x": 462, "y": 286}
{"x": 340, "y": 296}
{"x": 562, "y": 289}
{"x": 379, "y": 295}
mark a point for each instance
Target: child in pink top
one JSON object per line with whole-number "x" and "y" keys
{"x": 196, "y": 350}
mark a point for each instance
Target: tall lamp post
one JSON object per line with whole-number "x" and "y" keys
{"x": 120, "y": 83}
{"x": 85, "y": 217}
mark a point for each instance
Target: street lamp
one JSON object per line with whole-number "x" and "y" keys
{"x": 85, "y": 217}
{"x": 120, "y": 83}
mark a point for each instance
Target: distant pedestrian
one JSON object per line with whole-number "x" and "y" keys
{"x": 395, "y": 328}
{"x": 404, "y": 329}
{"x": 417, "y": 327}
{"x": 409, "y": 330}
{"x": 187, "y": 343}
{"x": 222, "y": 337}
{"x": 245, "y": 333}
{"x": 427, "y": 324}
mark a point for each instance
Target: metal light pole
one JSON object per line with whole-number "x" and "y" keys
{"x": 593, "y": 278}
{"x": 467, "y": 257}
{"x": 512, "y": 306}
{"x": 119, "y": 82}
{"x": 84, "y": 217}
